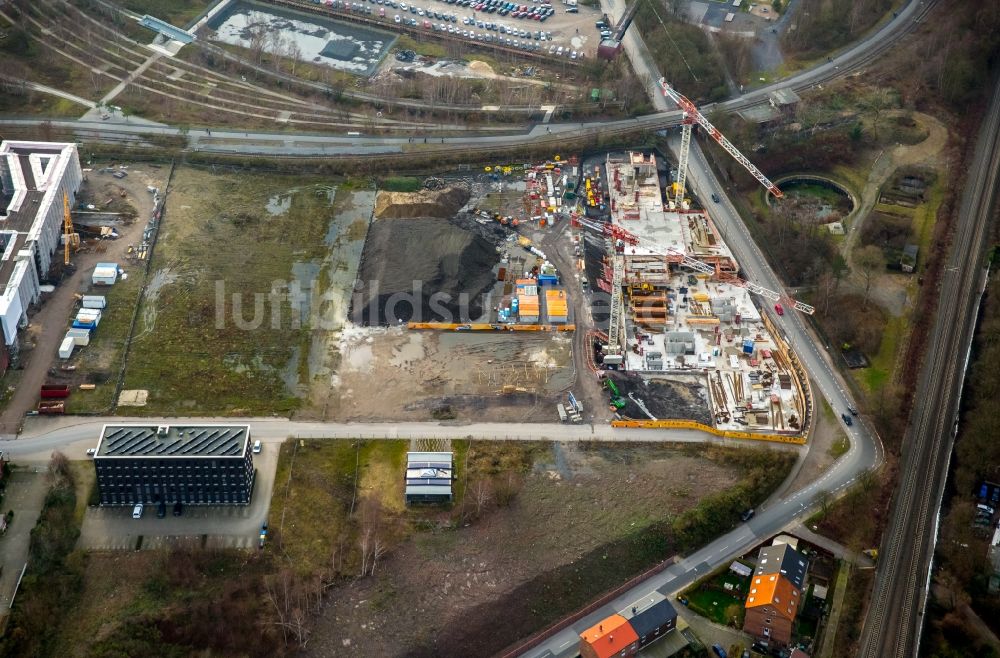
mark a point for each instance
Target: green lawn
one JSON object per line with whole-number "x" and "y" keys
{"x": 710, "y": 598}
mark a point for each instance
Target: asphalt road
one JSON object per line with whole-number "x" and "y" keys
{"x": 74, "y": 435}
{"x": 852, "y": 59}
{"x": 894, "y": 621}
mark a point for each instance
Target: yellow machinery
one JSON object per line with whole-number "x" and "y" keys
{"x": 69, "y": 237}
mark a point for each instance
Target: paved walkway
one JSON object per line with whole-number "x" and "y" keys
{"x": 52, "y": 91}
{"x": 860, "y": 560}
{"x": 836, "y": 606}
{"x": 25, "y": 495}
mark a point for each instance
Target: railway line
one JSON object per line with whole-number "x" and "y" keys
{"x": 892, "y": 628}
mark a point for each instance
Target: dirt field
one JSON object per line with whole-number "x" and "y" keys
{"x": 409, "y": 375}
{"x": 586, "y": 498}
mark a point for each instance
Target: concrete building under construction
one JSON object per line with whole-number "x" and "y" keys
{"x": 34, "y": 177}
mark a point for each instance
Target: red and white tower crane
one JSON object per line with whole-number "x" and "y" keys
{"x": 691, "y": 117}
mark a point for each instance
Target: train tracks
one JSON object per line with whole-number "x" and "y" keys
{"x": 892, "y": 628}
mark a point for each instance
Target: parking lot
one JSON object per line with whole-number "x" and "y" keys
{"x": 113, "y": 528}
{"x": 556, "y": 29}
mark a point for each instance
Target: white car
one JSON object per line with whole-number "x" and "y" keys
{"x": 256, "y": 446}
{"x": 403, "y": 6}
{"x": 91, "y": 452}
{"x": 397, "y": 19}
{"x": 137, "y": 511}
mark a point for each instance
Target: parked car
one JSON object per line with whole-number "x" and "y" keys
{"x": 257, "y": 446}
{"x": 178, "y": 508}
{"x": 854, "y": 412}
{"x": 137, "y": 511}
{"x": 747, "y": 515}
{"x": 719, "y": 651}
{"x": 161, "y": 510}
{"x": 716, "y": 197}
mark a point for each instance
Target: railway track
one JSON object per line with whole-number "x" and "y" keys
{"x": 894, "y": 621}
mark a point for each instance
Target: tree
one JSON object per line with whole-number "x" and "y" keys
{"x": 823, "y": 499}
{"x": 869, "y": 261}
{"x": 876, "y": 103}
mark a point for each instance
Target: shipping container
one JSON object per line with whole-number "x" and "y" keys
{"x": 94, "y": 301}
{"x": 54, "y": 391}
{"x": 66, "y": 348}
{"x": 80, "y": 336}
{"x": 50, "y": 408}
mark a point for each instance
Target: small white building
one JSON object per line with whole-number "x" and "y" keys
{"x": 105, "y": 274}
{"x": 429, "y": 476}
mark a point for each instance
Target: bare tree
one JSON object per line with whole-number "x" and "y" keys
{"x": 876, "y": 103}
{"x": 482, "y": 495}
{"x": 869, "y": 261}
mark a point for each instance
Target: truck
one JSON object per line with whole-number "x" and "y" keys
{"x": 54, "y": 391}
{"x": 51, "y": 407}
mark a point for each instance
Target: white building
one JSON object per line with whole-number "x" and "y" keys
{"x": 34, "y": 176}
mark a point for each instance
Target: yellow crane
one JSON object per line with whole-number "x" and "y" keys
{"x": 69, "y": 237}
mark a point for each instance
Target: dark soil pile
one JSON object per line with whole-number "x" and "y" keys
{"x": 424, "y": 270}
{"x": 665, "y": 399}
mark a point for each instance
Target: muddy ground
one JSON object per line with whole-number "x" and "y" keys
{"x": 436, "y": 580}
{"x": 397, "y": 374}
{"x": 678, "y": 397}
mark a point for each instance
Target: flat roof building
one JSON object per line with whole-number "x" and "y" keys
{"x": 429, "y": 476}
{"x": 34, "y": 176}
{"x": 189, "y": 464}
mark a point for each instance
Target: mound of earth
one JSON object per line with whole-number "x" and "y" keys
{"x": 664, "y": 398}
{"x": 425, "y": 203}
{"x": 425, "y": 270}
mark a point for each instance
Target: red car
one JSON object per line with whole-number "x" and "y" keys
{"x": 779, "y": 309}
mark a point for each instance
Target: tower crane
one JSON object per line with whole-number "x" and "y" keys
{"x": 620, "y": 239}
{"x": 69, "y": 237}
{"x": 692, "y": 116}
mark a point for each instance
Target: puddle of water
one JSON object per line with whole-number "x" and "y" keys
{"x": 307, "y": 37}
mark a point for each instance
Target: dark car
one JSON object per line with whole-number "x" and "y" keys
{"x": 161, "y": 510}
{"x": 178, "y": 508}
{"x": 719, "y": 651}
{"x": 716, "y": 197}
{"x": 847, "y": 419}
{"x": 747, "y": 515}
{"x": 853, "y": 411}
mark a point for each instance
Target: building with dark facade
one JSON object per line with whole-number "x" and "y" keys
{"x": 189, "y": 464}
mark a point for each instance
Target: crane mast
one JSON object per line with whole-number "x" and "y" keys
{"x": 692, "y": 116}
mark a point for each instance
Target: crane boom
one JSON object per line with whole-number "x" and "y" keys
{"x": 693, "y": 115}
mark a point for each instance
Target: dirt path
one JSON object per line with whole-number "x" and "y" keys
{"x": 47, "y": 326}
{"x": 26, "y": 493}
{"x": 890, "y": 292}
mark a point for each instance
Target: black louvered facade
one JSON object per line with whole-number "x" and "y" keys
{"x": 193, "y": 465}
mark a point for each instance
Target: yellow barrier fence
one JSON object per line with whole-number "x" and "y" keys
{"x": 692, "y": 425}
{"x": 480, "y": 326}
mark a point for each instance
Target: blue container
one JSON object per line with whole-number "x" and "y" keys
{"x": 548, "y": 280}
{"x": 748, "y": 346}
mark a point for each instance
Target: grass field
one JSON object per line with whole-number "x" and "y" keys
{"x": 710, "y": 598}
{"x": 216, "y": 333}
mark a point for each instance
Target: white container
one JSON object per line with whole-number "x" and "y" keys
{"x": 87, "y": 315}
{"x": 94, "y": 301}
{"x": 66, "y": 348}
{"x": 80, "y": 337}
{"x": 105, "y": 274}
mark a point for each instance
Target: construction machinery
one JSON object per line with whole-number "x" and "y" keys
{"x": 617, "y": 401}
{"x": 693, "y": 116}
{"x": 70, "y": 238}
{"x": 619, "y": 240}
{"x": 610, "y": 47}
